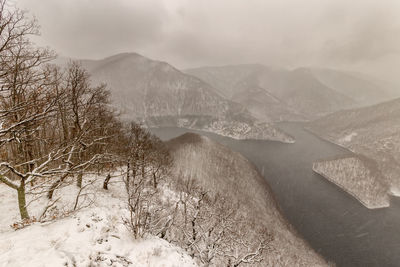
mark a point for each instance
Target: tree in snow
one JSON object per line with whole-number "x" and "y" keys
{"x": 86, "y": 123}
{"x": 147, "y": 161}
{"x": 244, "y": 248}
{"x": 53, "y": 123}
{"x": 210, "y": 228}
{"x": 27, "y": 102}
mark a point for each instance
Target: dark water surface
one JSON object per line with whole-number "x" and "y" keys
{"x": 333, "y": 222}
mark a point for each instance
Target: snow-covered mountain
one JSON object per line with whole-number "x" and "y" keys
{"x": 157, "y": 94}
{"x": 148, "y": 88}
{"x": 228, "y": 173}
{"x": 372, "y": 131}
{"x": 278, "y": 94}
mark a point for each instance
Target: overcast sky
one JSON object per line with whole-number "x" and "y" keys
{"x": 361, "y": 35}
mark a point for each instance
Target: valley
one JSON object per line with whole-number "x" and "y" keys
{"x": 155, "y": 93}
{"x": 199, "y": 133}
{"x": 334, "y": 223}
{"x": 332, "y": 195}
{"x": 324, "y": 190}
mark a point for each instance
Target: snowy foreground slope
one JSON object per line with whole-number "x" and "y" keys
{"x": 93, "y": 236}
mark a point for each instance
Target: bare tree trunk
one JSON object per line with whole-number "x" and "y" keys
{"x": 54, "y": 186}
{"x": 80, "y": 175}
{"x": 22, "y": 201}
{"x": 105, "y": 184}
{"x": 79, "y": 180}
{"x": 128, "y": 170}
{"x": 154, "y": 180}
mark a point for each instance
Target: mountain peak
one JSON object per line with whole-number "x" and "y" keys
{"x": 122, "y": 56}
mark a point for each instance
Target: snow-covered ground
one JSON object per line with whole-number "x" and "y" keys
{"x": 92, "y": 236}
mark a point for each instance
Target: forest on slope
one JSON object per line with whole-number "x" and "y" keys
{"x": 373, "y": 132}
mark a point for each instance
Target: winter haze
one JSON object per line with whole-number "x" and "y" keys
{"x": 360, "y": 35}
{"x": 199, "y": 133}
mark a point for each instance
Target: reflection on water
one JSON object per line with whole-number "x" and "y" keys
{"x": 334, "y": 223}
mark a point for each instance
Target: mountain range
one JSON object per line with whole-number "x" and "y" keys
{"x": 157, "y": 94}
{"x": 276, "y": 94}
{"x": 239, "y": 101}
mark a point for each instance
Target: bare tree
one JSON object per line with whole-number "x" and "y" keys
{"x": 212, "y": 229}
{"x": 86, "y": 123}
{"x": 244, "y": 247}
{"x": 147, "y": 161}
{"x": 15, "y": 27}
{"x": 160, "y": 160}
{"x": 27, "y": 102}
{"x": 53, "y": 125}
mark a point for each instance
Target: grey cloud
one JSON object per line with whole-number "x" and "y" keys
{"x": 97, "y": 28}
{"x": 333, "y": 33}
{"x": 375, "y": 35}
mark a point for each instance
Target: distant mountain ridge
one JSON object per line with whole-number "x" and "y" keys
{"x": 239, "y": 101}
{"x": 157, "y": 94}
{"x": 274, "y": 94}
{"x": 364, "y": 90}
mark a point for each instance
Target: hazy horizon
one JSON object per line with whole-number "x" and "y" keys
{"x": 360, "y": 36}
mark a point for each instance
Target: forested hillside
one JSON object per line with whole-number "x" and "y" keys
{"x": 223, "y": 172}
{"x": 372, "y": 131}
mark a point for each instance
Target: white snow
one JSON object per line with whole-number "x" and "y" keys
{"x": 93, "y": 236}
{"x": 348, "y": 138}
{"x": 395, "y": 191}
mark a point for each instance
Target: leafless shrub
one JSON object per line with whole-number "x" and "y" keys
{"x": 210, "y": 228}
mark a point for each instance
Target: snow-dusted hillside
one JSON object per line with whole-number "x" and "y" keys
{"x": 92, "y": 236}
{"x": 358, "y": 176}
{"x": 228, "y": 173}
{"x": 364, "y": 90}
{"x": 157, "y": 94}
{"x": 274, "y": 94}
{"x": 371, "y": 131}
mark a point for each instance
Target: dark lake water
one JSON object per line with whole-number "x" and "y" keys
{"x": 335, "y": 224}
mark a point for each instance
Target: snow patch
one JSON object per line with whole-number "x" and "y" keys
{"x": 395, "y": 191}
{"x": 348, "y": 138}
